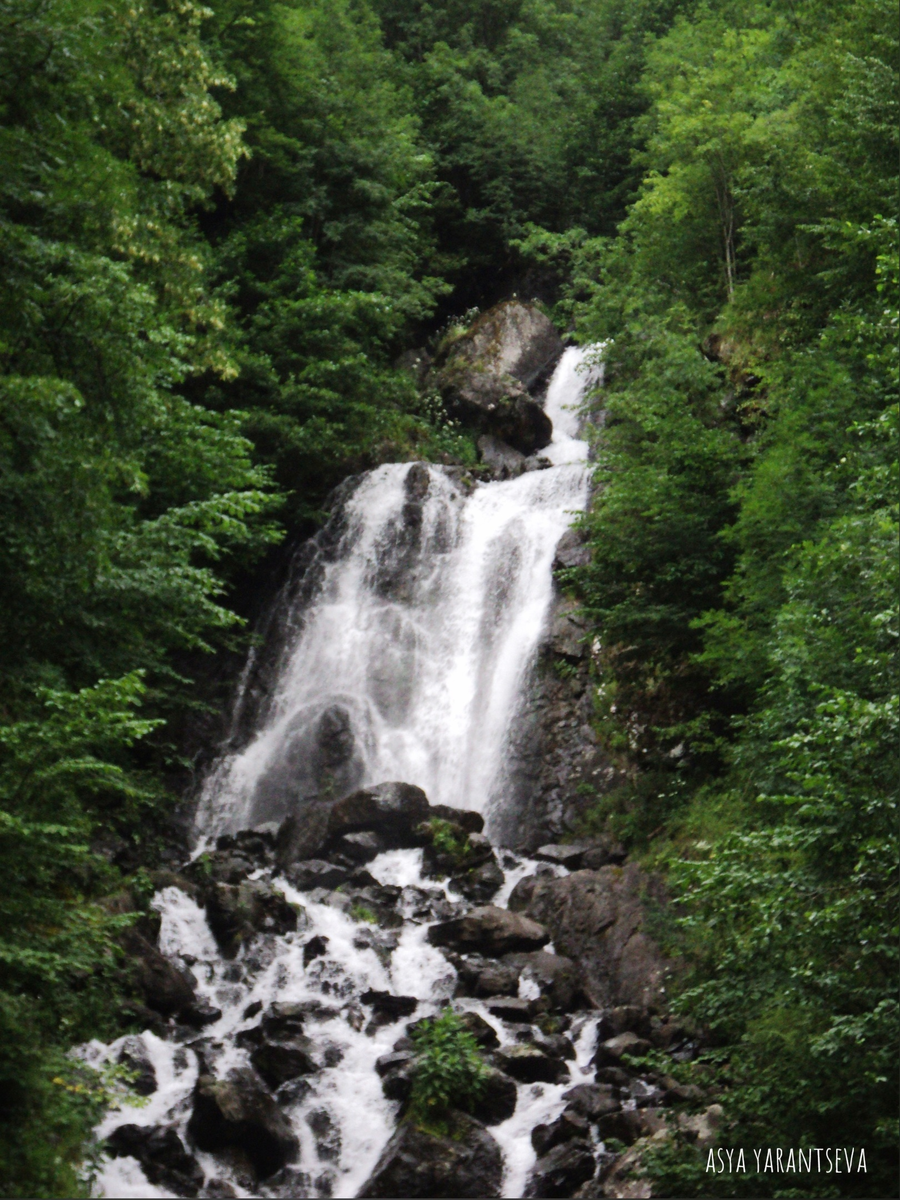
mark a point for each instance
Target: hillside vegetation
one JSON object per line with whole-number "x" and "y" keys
{"x": 221, "y": 227}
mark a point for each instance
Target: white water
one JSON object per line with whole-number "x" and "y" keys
{"x": 419, "y": 639}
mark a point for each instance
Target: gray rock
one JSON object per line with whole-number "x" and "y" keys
{"x": 238, "y": 1113}
{"x": 529, "y": 1064}
{"x": 165, "y": 988}
{"x": 561, "y": 1171}
{"x": 591, "y": 1100}
{"x": 497, "y": 979}
{"x": 571, "y": 551}
{"x": 279, "y": 1061}
{"x": 360, "y": 847}
{"x": 484, "y": 376}
{"x": 162, "y": 1155}
{"x": 564, "y": 856}
{"x": 135, "y": 1056}
{"x": 481, "y": 883}
{"x": 557, "y": 976}
{"x": 316, "y": 872}
{"x": 598, "y": 919}
{"x": 415, "y": 1163}
{"x": 505, "y": 462}
{"x": 609, "y": 1053}
{"x": 569, "y": 1124}
{"x": 510, "y": 1008}
{"x": 302, "y": 834}
{"x": 392, "y": 809}
{"x": 489, "y": 930}
{"x": 497, "y": 1100}
{"x": 469, "y": 821}
{"x": 237, "y": 912}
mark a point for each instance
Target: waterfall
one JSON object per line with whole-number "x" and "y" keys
{"x": 407, "y": 664}
{"x": 410, "y": 661}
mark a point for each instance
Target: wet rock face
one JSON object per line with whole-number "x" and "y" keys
{"x": 415, "y": 1163}
{"x": 238, "y": 1112}
{"x": 598, "y": 918}
{"x": 485, "y": 375}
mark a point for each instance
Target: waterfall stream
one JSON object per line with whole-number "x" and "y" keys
{"x": 408, "y": 664}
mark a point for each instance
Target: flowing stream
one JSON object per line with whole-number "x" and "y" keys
{"x": 407, "y": 664}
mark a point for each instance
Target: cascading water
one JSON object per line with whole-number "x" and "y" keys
{"x": 409, "y": 666}
{"x": 411, "y": 658}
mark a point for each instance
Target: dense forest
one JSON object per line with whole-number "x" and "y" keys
{"x": 221, "y": 228}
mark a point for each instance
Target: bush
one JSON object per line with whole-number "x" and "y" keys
{"x": 450, "y": 1072}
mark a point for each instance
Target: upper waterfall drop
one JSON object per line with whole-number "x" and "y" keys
{"x": 413, "y": 652}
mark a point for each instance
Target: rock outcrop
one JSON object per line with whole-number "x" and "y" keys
{"x": 598, "y": 918}
{"x": 484, "y": 376}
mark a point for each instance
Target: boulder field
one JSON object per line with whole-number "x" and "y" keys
{"x": 562, "y": 988}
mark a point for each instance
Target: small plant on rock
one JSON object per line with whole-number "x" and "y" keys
{"x": 450, "y": 1072}
{"x": 447, "y": 839}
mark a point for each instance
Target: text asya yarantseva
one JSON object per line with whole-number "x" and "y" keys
{"x": 828, "y": 1160}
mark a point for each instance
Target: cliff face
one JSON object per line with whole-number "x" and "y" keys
{"x": 556, "y": 768}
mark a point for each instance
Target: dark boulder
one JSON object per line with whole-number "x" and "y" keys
{"x": 200, "y": 1014}
{"x": 569, "y": 1124}
{"x": 592, "y": 1100}
{"x": 166, "y": 989}
{"x": 394, "y": 810}
{"x": 510, "y": 1008}
{"x": 480, "y": 884}
{"x": 497, "y": 1099}
{"x": 481, "y": 1030}
{"x": 564, "y": 856}
{"x": 484, "y": 375}
{"x": 489, "y": 930}
{"x": 238, "y": 1113}
{"x": 360, "y": 847}
{"x": 504, "y": 461}
{"x": 236, "y": 913}
{"x": 135, "y": 1056}
{"x": 468, "y": 820}
{"x": 397, "y": 1073}
{"x": 497, "y": 979}
{"x": 529, "y": 1064}
{"x": 610, "y": 1052}
{"x": 561, "y": 1171}
{"x": 467, "y": 1163}
{"x": 316, "y": 872}
{"x": 388, "y": 1007}
{"x": 303, "y": 833}
{"x": 162, "y": 1155}
{"x": 281, "y": 1060}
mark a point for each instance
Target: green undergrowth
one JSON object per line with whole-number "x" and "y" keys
{"x": 449, "y": 1072}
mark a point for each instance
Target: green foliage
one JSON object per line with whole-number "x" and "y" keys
{"x": 743, "y": 580}
{"x": 447, "y": 838}
{"x": 359, "y": 912}
{"x": 61, "y": 773}
{"x": 449, "y": 1070}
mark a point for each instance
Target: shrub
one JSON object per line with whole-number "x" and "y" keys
{"x": 450, "y": 1072}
